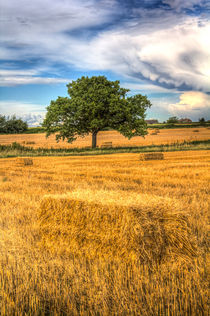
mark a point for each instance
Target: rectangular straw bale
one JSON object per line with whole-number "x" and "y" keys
{"x": 152, "y": 156}
{"x": 24, "y": 161}
{"x": 106, "y": 145}
{"x": 155, "y": 131}
{"x": 30, "y": 143}
{"x": 102, "y": 225}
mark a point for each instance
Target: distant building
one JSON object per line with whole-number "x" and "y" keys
{"x": 185, "y": 120}
{"x": 152, "y": 121}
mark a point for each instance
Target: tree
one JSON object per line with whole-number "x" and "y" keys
{"x": 12, "y": 125}
{"x": 173, "y": 120}
{"x": 96, "y": 103}
{"x": 202, "y": 120}
{"x": 2, "y": 124}
{"x": 15, "y": 125}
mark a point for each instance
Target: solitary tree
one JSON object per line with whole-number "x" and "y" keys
{"x": 96, "y": 103}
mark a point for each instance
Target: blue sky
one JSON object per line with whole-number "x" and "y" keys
{"x": 157, "y": 48}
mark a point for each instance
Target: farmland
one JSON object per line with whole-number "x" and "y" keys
{"x": 135, "y": 243}
{"x": 155, "y": 136}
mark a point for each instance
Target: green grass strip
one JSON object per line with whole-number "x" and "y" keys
{"x": 17, "y": 150}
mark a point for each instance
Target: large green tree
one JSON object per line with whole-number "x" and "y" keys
{"x": 94, "y": 104}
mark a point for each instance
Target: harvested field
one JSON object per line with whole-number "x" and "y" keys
{"x": 152, "y": 156}
{"x": 163, "y": 136}
{"x": 139, "y": 228}
{"x": 24, "y": 161}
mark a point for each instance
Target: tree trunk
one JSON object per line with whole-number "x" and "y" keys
{"x": 94, "y": 138}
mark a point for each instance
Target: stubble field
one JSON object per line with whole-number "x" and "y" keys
{"x": 154, "y": 137}
{"x": 105, "y": 235}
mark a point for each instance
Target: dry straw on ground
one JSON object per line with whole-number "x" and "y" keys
{"x": 105, "y": 224}
{"x": 106, "y": 145}
{"x": 39, "y": 275}
{"x": 24, "y": 161}
{"x": 155, "y": 132}
{"x": 152, "y": 156}
{"x": 165, "y": 136}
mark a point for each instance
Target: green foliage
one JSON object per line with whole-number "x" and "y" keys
{"x": 35, "y": 130}
{"x": 2, "y": 124}
{"x": 177, "y": 125}
{"x": 202, "y": 121}
{"x": 12, "y": 125}
{"x": 96, "y": 104}
{"x": 173, "y": 120}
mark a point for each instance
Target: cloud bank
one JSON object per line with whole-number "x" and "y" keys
{"x": 16, "y": 77}
{"x": 147, "y": 43}
{"x": 193, "y": 103}
{"x": 33, "y": 114}
{"x": 159, "y": 43}
{"x": 176, "y": 57}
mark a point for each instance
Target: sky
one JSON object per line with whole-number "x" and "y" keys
{"x": 158, "y": 48}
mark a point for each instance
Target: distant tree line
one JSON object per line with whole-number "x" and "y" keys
{"x": 12, "y": 125}
{"x": 176, "y": 120}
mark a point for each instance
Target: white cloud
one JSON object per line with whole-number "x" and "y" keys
{"x": 32, "y": 113}
{"x": 175, "y": 56}
{"x": 160, "y": 108}
{"x": 165, "y": 48}
{"x": 42, "y": 28}
{"x": 146, "y": 88}
{"x": 31, "y": 76}
{"x": 193, "y": 103}
{"x": 9, "y": 73}
{"x": 27, "y": 24}
{"x": 33, "y": 120}
{"x": 21, "y": 80}
{"x": 19, "y": 108}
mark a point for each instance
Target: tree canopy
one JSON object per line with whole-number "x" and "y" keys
{"x": 202, "y": 120}
{"x": 94, "y": 104}
{"x": 173, "y": 120}
{"x": 12, "y": 125}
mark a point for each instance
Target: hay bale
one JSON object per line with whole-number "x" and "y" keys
{"x": 24, "y": 161}
{"x": 103, "y": 225}
{"x": 106, "y": 145}
{"x": 152, "y": 156}
{"x": 30, "y": 143}
{"x": 155, "y": 132}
